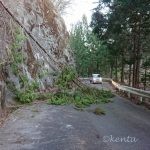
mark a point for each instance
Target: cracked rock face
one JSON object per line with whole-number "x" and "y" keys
{"x": 45, "y": 47}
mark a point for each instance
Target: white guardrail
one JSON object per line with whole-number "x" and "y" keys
{"x": 129, "y": 90}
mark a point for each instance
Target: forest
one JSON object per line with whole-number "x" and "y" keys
{"x": 116, "y": 44}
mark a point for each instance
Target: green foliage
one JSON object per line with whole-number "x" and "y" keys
{"x": 146, "y": 63}
{"x": 17, "y": 59}
{"x": 19, "y": 38}
{"x": 14, "y": 68}
{"x": 26, "y": 96}
{"x": 44, "y": 96}
{"x": 23, "y": 79}
{"x": 27, "y": 91}
{"x": 16, "y": 51}
{"x": 43, "y": 73}
{"x": 89, "y": 51}
{"x": 33, "y": 86}
{"x": 124, "y": 29}
{"x": 80, "y": 98}
{"x": 97, "y": 93}
{"x": 67, "y": 75}
{"x": 60, "y": 99}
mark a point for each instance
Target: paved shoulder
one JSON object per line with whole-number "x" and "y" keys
{"x": 125, "y": 125}
{"x": 44, "y": 127}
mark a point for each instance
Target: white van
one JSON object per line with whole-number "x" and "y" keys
{"x": 96, "y": 78}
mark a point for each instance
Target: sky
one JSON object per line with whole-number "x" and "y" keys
{"x": 77, "y": 9}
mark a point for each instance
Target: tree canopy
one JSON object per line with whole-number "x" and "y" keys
{"x": 125, "y": 29}
{"x": 117, "y": 42}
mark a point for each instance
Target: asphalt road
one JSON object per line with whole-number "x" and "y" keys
{"x": 44, "y": 127}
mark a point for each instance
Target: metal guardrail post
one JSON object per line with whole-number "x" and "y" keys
{"x": 130, "y": 90}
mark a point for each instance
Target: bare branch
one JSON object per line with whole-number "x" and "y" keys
{"x": 62, "y": 5}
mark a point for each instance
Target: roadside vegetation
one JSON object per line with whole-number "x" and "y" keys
{"x": 27, "y": 91}
{"x": 80, "y": 98}
{"x": 75, "y": 93}
{"x": 116, "y": 43}
{"x": 68, "y": 89}
{"x": 68, "y": 92}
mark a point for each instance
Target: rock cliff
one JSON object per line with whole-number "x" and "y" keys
{"x": 33, "y": 42}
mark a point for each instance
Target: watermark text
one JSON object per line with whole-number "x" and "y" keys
{"x": 111, "y": 138}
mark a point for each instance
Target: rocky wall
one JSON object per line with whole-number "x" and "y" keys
{"x": 43, "y": 41}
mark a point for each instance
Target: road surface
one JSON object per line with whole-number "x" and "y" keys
{"x": 44, "y": 127}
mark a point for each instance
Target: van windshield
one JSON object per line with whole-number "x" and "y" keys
{"x": 96, "y": 75}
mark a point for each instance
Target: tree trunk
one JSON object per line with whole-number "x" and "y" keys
{"x": 137, "y": 73}
{"x": 97, "y": 67}
{"x": 130, "y": 73}
{"x": 134, "y": 60}
{"x": 122, "y": 74}
{"x": 116, "y": 69}
{"x": 137, "y": 50}
{"x": 111, "y": 72}
{"x": 122, "y": 70}
{"x": 145, "y": 80}
{"x": 138, "y": 58}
